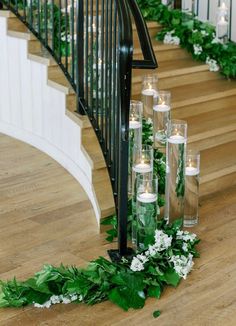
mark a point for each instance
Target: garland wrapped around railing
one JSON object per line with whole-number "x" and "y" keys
{"x": 199, "y": 38}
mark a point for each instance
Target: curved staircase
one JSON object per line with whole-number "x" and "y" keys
{"x": 206, "y": 101}
{"x": 37, "y": 105}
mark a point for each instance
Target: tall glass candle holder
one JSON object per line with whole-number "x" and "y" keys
{"x": 192, "y": 171}
{"x": 135, "y": 134}
{"x": 146, "y": 209}
{"x": 161, "y": 117}
{"x": 142, "y": 166}
{"x": 149, "y": 89}
{"x": 175, "y": 169}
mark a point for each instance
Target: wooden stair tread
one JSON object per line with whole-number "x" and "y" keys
{"x": 171, "y": 68}
{"x": 204, "y": 91}
{"x": 57, "y": 79}
{"x": 212, "y": 123}
{"x": 218, "y": 161}
{"x": 101, "y": 180}
{"x": 93, "y": 149}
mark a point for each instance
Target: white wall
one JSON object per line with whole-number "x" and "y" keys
{"x": 34, "y": 112}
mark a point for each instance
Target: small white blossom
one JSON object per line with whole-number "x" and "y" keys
{"x": 55, "y": 299}
{"x": 185, "y": 246}
{"x": 213, "y": 66}
{"x": 46, "y": 304}
{"x": 204, "y": 33}
{"x": 142, "y": 258}
{"x": 66, "y": 300}
{"x": 170, "y": 39}
{"x": 162, "y": 240}
{"x": 73, "y": 297}
{"x": 136, "y": 265}
{"x": 149, "y": 121}
{"x": 185, "y": 236}
{"x": 182, "y": 265}
{"x": 150, "y": 138}
{"x": 197, "y": 49}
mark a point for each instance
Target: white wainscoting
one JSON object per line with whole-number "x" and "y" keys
{"x": 34, "y": 112}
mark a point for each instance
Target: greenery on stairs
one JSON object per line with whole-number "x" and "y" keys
{"x": 199, "y": 38}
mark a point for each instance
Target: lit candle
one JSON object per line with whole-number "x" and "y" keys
{"x": 149, "y": 91}
{"x": 176, "y": 139}
{"x": 222, "y": 27}
{"x": 161, "y": 107}
{"x": 191, "y": 171}
{"x": 147, "y": 197}
{"x": 142, "y": 167}
{"x": 134, "y": 124}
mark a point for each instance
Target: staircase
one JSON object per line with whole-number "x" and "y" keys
{"x": 80, "y": 152}
{"x": 206, "y": 101}
{"x": 203, "y": 98}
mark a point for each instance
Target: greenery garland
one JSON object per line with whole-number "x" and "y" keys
{"x": 199, "y": 38}
{"x": 128, "y": 284}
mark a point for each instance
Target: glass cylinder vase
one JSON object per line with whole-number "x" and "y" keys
{"x": 146, "y": 210}
{"x": 149, "y": 89}
{"x": 142, "y": 167}
{"x": 192, "y": 171}
{"x": 175, "y": 170}
{"x": 135, "y": 134}
{"x": 161, "y": 117}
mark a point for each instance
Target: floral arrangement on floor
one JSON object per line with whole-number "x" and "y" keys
{"x": 199, "y": 38}
{"x": 128, "y": 284}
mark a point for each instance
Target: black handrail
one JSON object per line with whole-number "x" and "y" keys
{"x": 92, "y": 42}
{"x": 149, "y": 58}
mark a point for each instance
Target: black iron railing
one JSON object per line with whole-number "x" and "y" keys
{"x": 92, "y": 42}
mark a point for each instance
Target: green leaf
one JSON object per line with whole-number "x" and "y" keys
{"x": 171, "y": 277}
{"x": 156, "y": 313}
{"x": 154, "y": 291}
{"x": 116, "y": 296}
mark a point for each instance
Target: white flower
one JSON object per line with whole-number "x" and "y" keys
{"x": 142, "y": 258}
{"x": 170, "y": 39}
{"x": 66, "y": 300}
{"x": 204, "y": 33}
{"x": 162, "y": 240}
{"x": 185, "y": 236}
{"x": 150, "y": 138}
{"x": 55, "y": 299}
{"x": 185, "y": 246}
{"x": 136, "y": 265}
{"x": 46, "y": 304}
{"x": 213, "y": 66}
{"x": 197, "y": 49}
{"x": 73, "y": 297}
{"x": 149, "y": 121}
{"x": 182, "y": 265}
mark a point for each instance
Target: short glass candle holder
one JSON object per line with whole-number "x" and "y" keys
{"x": 161, "y": 117}
{"x": 149, "y": 89}
{"x": 146, "y": 210}
{"x": 135, "y": 134}
{"x": 192, "y": 171}
{"x": 175, "y": 170}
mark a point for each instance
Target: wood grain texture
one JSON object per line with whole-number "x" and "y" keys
{"x": 45, "y": 217}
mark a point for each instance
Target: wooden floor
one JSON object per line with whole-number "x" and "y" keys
{"x": 45, "y": 217}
